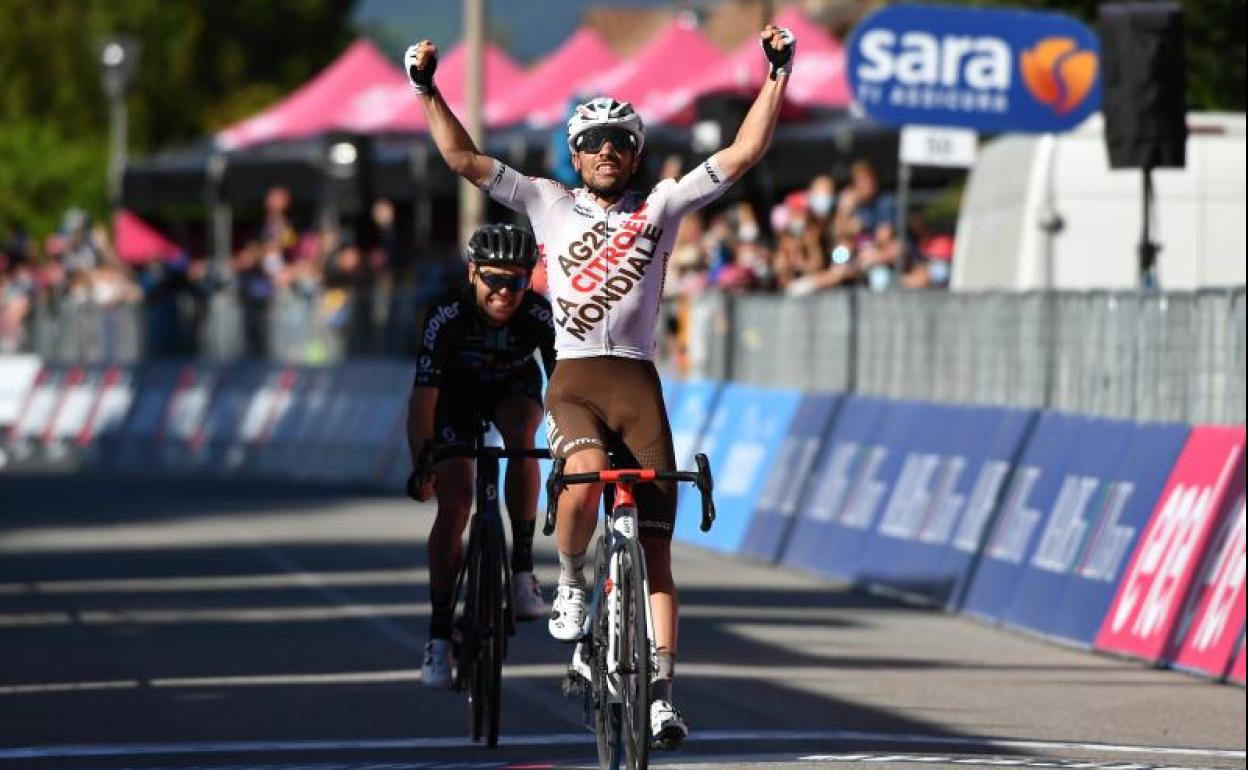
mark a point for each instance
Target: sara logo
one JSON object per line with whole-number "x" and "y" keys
{"x": 1058, "y": 73}
{"x": 988, "y": 70}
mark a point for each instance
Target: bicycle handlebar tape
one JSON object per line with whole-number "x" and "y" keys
{"x": 705, "y": 485}
{"x": 553, "y": 487}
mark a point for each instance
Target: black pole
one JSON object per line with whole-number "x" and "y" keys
{"x": 1148, "y": 248}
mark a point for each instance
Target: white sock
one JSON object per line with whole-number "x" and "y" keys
{"x": 572, "y": 569}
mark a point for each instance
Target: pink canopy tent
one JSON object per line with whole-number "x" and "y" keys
{"x": 502, "y": 75}
{"x": 543, "y": 96}
{"x": 660, "y": 74}
{"x": 356, "y": 84}
{"x": 818, "y": 80}
{"x": 136, "y": 241}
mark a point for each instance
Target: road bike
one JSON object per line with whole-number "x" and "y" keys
{"x": 612, "y": 662}
{"x": 484, "y": 582}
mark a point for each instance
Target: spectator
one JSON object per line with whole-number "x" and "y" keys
{"x": 255, "y": 287}
{"x": 863, "y": 205}
{"x": 277, "y": 232}
{"x": 687, "y": 267}
{"x": 881, "y": 258}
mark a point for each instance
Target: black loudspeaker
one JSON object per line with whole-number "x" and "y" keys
{"x": 1145, "y": 84}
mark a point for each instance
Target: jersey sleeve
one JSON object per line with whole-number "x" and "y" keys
{"x": 525, "y": 194}
{"x": 437, "y": 343}
{"x": 696, "y": 189}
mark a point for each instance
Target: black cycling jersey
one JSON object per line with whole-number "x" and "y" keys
{"x": 458, "y": 344}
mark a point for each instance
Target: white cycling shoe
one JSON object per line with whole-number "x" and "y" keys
{"x": 527, "y": 598}
{"x": 567, "y": 615}
{"x": 667, "y": 727}
{"x": 435, "y": 672}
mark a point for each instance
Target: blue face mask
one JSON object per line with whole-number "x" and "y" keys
{"x": 820, "y": 204}
{"x": 879, "y": 277}
{"x": 938, "y": 272}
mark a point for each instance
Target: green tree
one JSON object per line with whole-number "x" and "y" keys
{"x": 202, "y": 65}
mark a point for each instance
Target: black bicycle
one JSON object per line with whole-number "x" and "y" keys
{"x": 484, "y": 582}
{"x": 612, "y": 663}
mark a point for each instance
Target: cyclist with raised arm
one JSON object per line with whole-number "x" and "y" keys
{"x": 606, "y": 249}
{"x": 476, "y": 363}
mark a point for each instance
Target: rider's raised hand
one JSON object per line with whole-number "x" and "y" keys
{"x": 779, "y": 46}
{"x": 420, "y": 61}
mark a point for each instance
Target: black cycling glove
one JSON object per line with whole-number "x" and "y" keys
{"x": 781, "y": 59}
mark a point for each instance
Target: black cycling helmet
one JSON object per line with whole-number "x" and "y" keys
{"x": 502, "y": 245}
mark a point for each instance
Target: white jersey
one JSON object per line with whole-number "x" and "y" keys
{"x": 605, "y": 267}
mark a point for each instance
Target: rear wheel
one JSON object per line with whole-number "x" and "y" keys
{"x": 633, "y": 642}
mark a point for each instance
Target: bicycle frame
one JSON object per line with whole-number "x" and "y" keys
{"x": 615, "y": 711}
{"x": 485, "y": 573}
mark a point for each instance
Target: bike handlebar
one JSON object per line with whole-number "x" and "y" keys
{"x": 701, "y": 479}
{"x": 436, "y": 454}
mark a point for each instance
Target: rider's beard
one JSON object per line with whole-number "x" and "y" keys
{"x": 612, "y": 192}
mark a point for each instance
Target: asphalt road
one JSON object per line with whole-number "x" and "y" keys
{"x": 188, "y": 624}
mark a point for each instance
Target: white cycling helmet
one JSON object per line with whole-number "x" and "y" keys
{"x": 605, "y": 111}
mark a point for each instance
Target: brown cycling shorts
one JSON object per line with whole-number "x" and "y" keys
{"x": 616, "y": 404}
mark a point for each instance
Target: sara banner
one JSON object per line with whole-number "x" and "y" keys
{"x": 984, "y": 69}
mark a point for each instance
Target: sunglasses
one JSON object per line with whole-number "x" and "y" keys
{"x": 500, "y": 281}
{"x": 593, "y": 139}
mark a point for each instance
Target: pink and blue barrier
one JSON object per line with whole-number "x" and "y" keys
{"x": 1122, "y": 536}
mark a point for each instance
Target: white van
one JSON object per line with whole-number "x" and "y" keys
{"x": 1046, "y": 211}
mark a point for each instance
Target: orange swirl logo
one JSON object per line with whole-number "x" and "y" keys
{"x": 1058, "y": 74}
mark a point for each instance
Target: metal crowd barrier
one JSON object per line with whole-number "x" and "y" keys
{"x": 1157, "y": 356}
{"x": 1173, "y": 356}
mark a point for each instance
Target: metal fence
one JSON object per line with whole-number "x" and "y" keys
{"x": 1135, "y": 355}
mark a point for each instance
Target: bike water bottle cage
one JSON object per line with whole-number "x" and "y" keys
{"x": 593, "y": 139}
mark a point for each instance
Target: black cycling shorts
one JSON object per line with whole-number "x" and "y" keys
{"x": 464, "y": 402}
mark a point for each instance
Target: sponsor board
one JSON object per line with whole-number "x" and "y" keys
{"x": 1084, "y": 521}
{"x": 1213, "y": 622}
{"x": 954, "y": 462}
{"x": 846, "y": 464}
{"x": 778, "y": 499}
{"x": 1164, "y": 568}
{"x": 983, "y": 69}
{"x": 1237, "y": 668}
{"x": 1017, "y": 520}
{"x": 741, "y": 440}
{"x": 690, "y": 417}
{"x": 18, "y": 373}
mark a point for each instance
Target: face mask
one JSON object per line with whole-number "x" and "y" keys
{"x": 820, "y": 204}
{"x": 938, "y": 272}
{"x": 879, "y": 278}
{"x": 797, "y": 226}
{"x": 748, "y": 232}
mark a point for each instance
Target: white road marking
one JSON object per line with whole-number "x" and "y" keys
{"x": 357, "y": 578}
{"x": 585, "y": 738}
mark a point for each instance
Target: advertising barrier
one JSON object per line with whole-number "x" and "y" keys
{"x": 132, "y": 447}
{"x": 1058, "y": 440}
{"x": 37, "y": 412}
{"x": 741, "y": 440}
{"x": 1092, "y": 530}
{"x": 847, "y": 463}
{"x": 1199, "y": 493}
{"x": 776, "y": 507}
{"x": 691, "y": 416}
{"x": 17, "y": 376}
{"x": 1237, "y": 668}
{"x": 1087, "y": 531}
{"x": 953, "y": 470}
{"x": 1213, "y": 624}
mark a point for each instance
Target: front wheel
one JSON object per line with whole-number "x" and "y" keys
{"x": 633, "y": 643}
{"x": 488, "y": 621}
{"x": 606, "y": 712}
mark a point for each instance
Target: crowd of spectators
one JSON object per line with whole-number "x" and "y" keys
{"x": 313, "y": 294}
{"x": 817, "y": 238}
